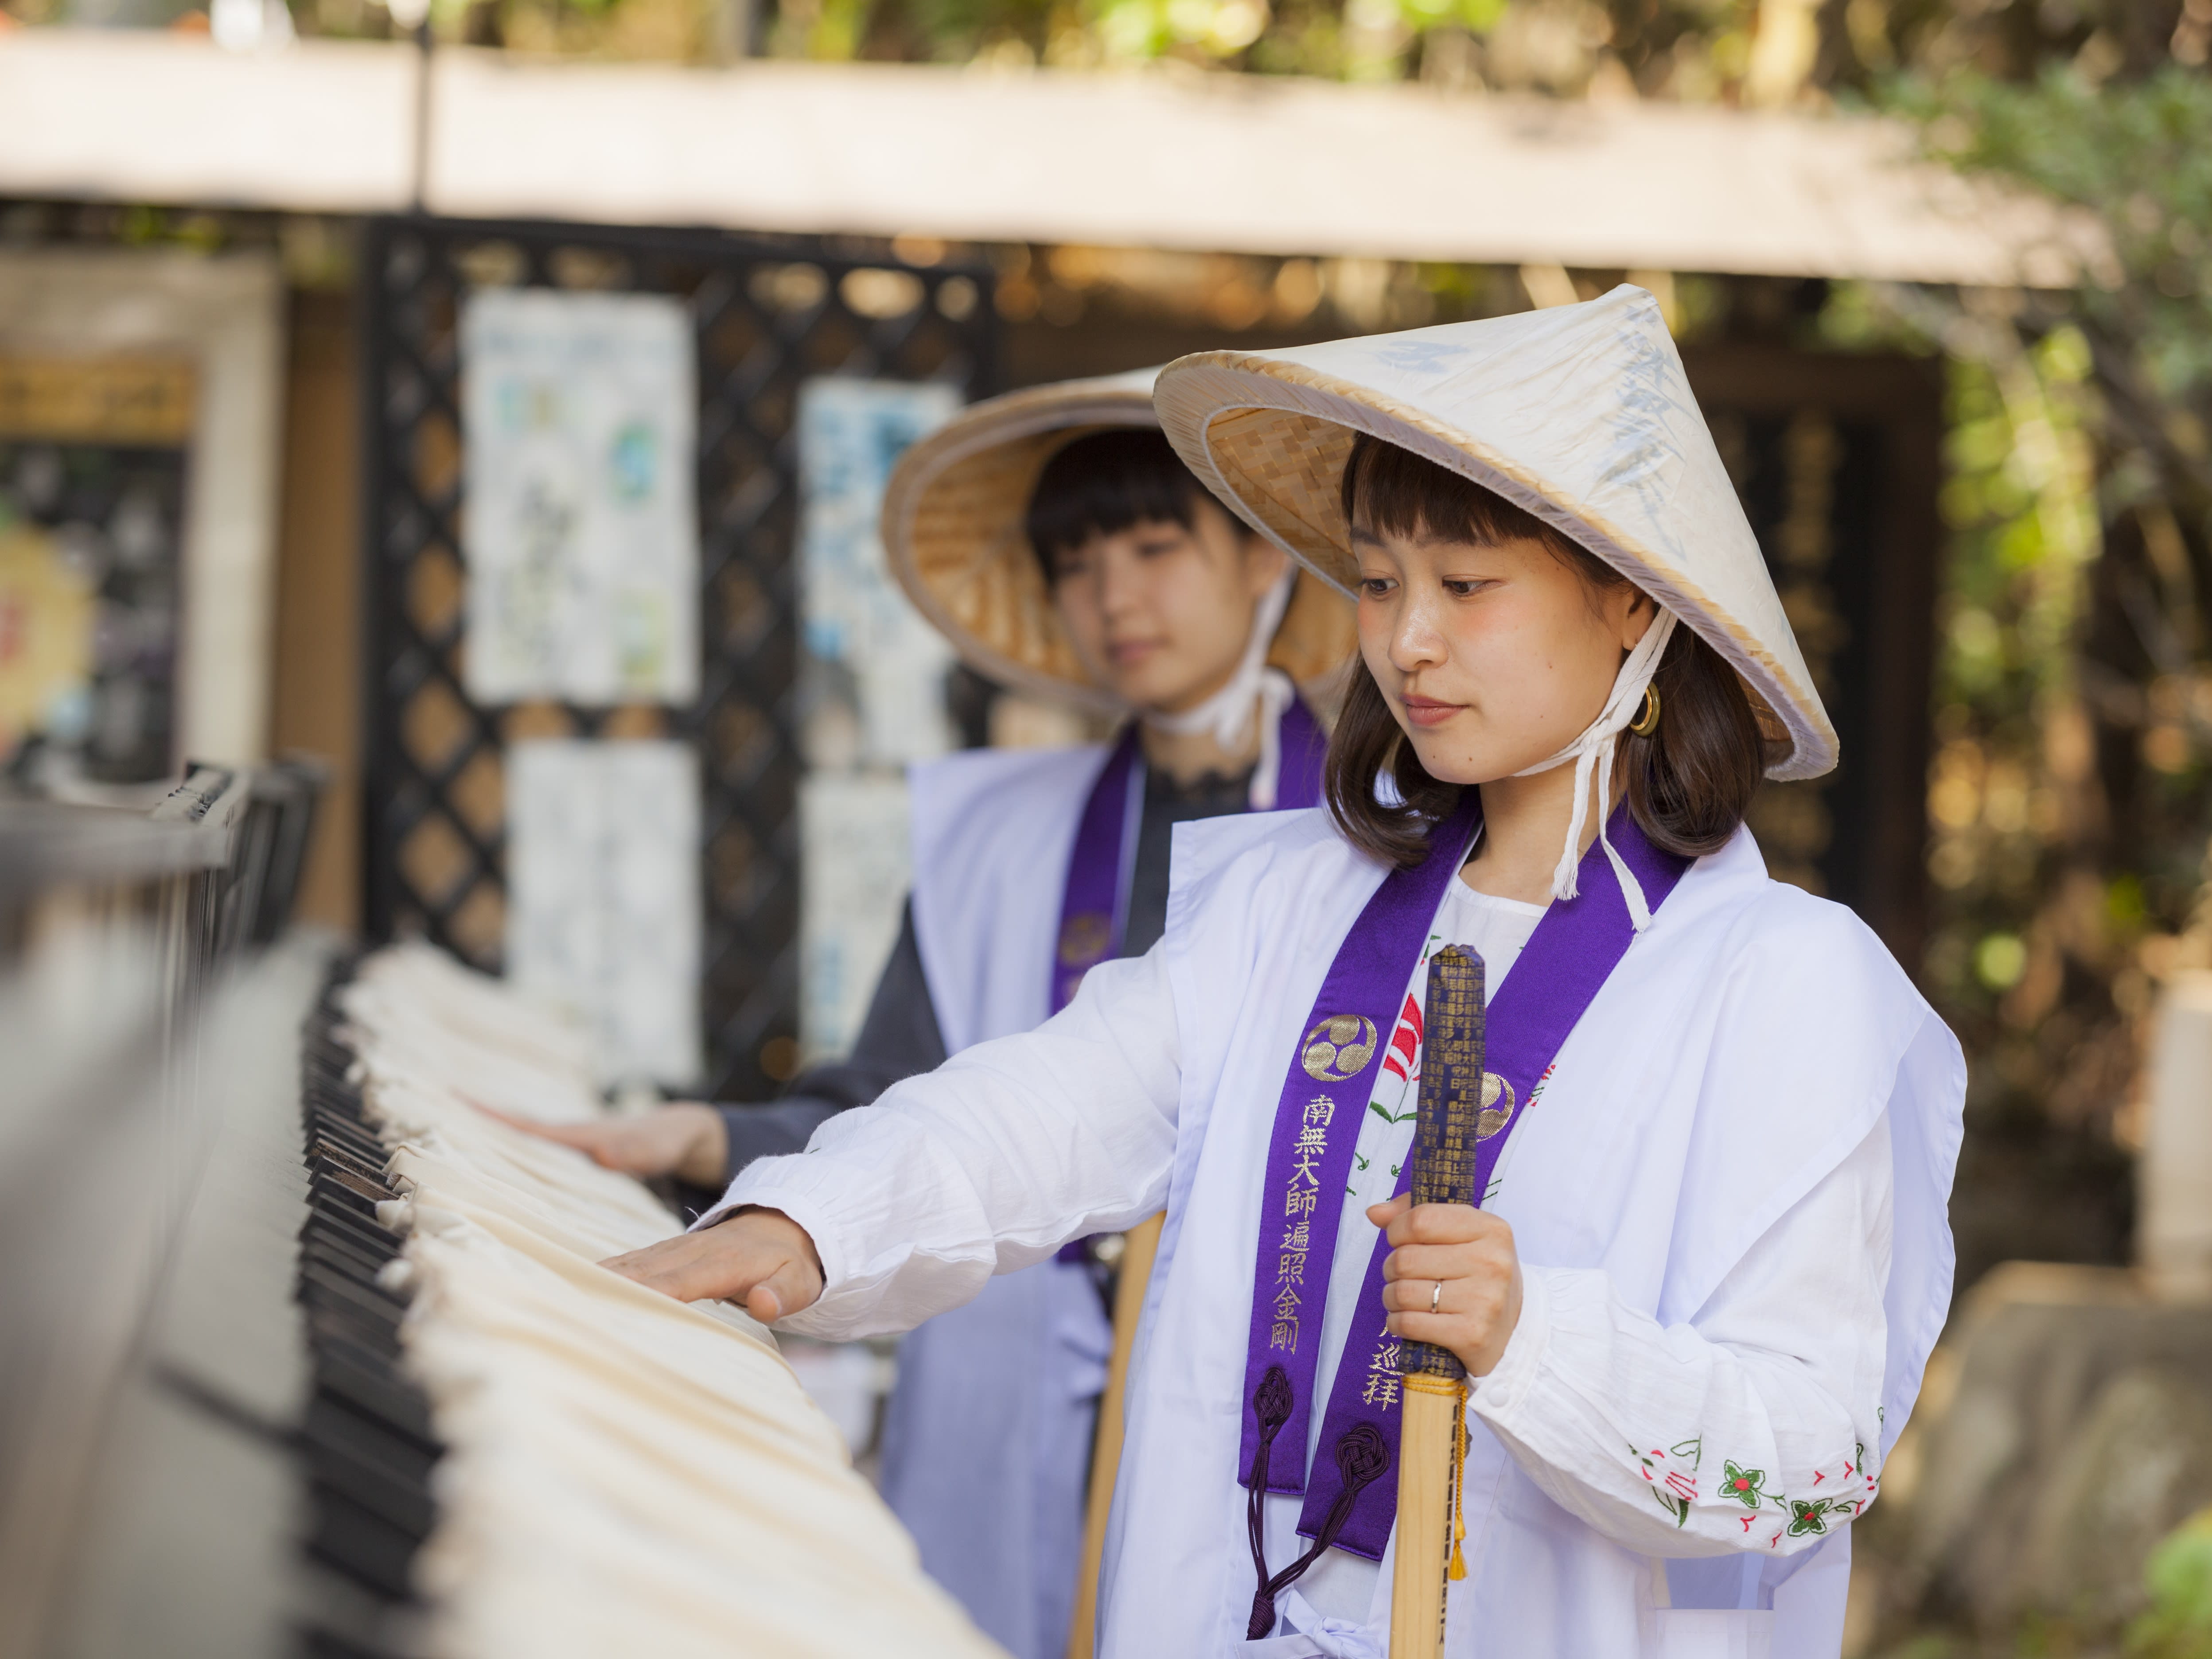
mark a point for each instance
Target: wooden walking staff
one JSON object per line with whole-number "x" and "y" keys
{"x": 1140, "y": 1246}
{"x": 1433, "y": 1427}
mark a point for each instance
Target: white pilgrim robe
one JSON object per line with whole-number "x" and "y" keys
{"x": 992, "y": 832}
{"x": 1753, "y": 1051}
{"x": 987, "y": 1437}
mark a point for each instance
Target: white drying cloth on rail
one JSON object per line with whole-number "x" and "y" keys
{"x": 624, "y": 1474}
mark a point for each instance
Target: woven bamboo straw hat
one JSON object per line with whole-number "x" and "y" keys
{"x": 954, "y": 527}
{"x": 1580, "y": 414}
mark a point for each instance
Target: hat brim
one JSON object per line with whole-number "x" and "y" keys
{"x": 1271, "y": 438}
{"x": 955, "y": 533}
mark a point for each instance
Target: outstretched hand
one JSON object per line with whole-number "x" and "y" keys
{"x": 760, "y": 1259}
{"x": 687, "y": 1140}
{"x": 1469, "y": 1253}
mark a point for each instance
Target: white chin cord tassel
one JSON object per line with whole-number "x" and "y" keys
{"x": 1592, "y": 754}
{"x": 1254, "y": 689}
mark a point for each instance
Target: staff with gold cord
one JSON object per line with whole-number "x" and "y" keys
{"x": 1432, "y": 1431}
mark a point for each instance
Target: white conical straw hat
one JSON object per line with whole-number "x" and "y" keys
{"x": 1581, "y": 414}
{"x": 955, "y": 530}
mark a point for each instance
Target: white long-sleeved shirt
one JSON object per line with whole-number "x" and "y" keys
{"x": 1700, "y": 1358}
{"x": 1631, "y": 1425}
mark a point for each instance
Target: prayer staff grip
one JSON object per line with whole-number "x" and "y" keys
{"x": 1432, "y": 1430}
{"x": 1448, "y": 1124}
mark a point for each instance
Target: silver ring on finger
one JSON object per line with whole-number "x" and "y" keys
{"x": 1437, "y": 1297}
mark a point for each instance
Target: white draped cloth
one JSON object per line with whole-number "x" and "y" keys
{"x": 1728, "y": 1199}
{"x": 622, "y": 1474}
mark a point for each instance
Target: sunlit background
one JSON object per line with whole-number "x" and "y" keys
{"x": 1940, "y": 271}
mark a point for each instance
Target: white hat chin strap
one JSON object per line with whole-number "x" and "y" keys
{"x": 1254, "y": 689}
{"x": 1592, "y": 753}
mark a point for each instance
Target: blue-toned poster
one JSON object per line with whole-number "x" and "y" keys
{"x": 874, "y": 693}
{"x": 578, "y": 416}
{"x": 874, "y": 663}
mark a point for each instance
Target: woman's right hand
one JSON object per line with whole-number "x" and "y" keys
{"x": 761, "y": 1260}
{"x": 687, "y": 1140}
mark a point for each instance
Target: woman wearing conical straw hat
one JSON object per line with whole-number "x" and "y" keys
{"x": 1054, "y": 537}
{"x": 1705, "y": 1253}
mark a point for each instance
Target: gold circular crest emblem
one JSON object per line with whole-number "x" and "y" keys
{"x": 1084, "y": 939}
{"x": 1339, "y": 1048}
{"x": 1497, "y": 1106}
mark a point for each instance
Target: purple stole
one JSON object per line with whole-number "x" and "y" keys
{"x": 1351, "y": 1502}
{"x": 1094, "y": 903}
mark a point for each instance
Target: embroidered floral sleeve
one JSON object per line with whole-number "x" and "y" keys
{"x": 1750, "y": 1427}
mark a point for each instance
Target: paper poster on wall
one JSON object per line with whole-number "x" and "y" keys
{"x": 603, "y": 896}
{"x": 875, "y": 664}
{"x": 582, "y": 537}
{"x": 852, "y": 886}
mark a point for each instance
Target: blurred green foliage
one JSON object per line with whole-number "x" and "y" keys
{"x": 2067, "y": 792}
{"x": 2136, "y": 159}
{"x": 2179, "y": 1623}
{"x": 2033, "y": 954}
{"x": 2075, "y": 709}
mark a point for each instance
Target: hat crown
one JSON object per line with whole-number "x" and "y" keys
{"x": 1582, "y": 414}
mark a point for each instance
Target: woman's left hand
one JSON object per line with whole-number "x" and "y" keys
{"x": 1469, "y": 1253}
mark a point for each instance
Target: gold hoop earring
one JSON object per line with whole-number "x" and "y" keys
{"x": 1647, "y": 719}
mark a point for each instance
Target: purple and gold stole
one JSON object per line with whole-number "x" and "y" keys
{"x": 1351, "y": 1501}
{"x": 1094, "y": 903}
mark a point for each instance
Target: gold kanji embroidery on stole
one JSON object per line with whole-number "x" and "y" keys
{"x": 1299, "y": 1197}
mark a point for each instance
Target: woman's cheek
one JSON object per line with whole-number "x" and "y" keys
{"x": 1374, "y": 620}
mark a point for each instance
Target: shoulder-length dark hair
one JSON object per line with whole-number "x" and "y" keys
{"x": 1688, "y": 784}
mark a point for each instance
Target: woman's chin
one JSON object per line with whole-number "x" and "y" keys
{"x": 1450, "y": 762}
{"x": 1165, "y": 688}
{"x": 1446, "y": 763}
{"x": 1135, "y": 686}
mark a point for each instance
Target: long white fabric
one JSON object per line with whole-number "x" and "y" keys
{"x": 1736, "y": 1074}
{"x": 987, "y": 1439}
{"x": 623, "y": 1474}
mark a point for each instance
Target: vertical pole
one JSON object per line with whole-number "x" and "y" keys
{"x": 377, "y": 724}
{"x": 731, "y": 27}
{"x": 1427, "y": 1443}
{"x": 1443, "y": 1168}
{"x": 423, "y": 44}
{"x": 1141, "y": 1245}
